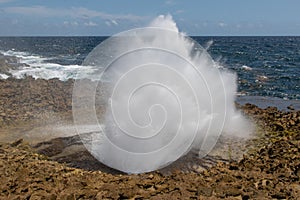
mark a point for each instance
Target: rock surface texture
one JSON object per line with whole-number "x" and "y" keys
{"x": 270, "y": 169}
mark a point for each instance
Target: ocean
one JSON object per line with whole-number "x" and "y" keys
{"x": 266, "y": 66}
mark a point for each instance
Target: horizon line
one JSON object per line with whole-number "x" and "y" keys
{"x": 113, "y": 35}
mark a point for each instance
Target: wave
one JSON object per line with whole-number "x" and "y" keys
{"x": 247, "y": 68}
{"x": 39, "y": 67}
{"x": 25, "y": 57}
{"x": 3, "y": 76}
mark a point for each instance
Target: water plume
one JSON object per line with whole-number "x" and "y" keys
{"x": 155, "y": 95}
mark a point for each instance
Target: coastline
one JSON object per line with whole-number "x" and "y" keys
{"x": 269, "y": 169}
{"x": 28, "y": 98}
{"x": 264, "y": 102}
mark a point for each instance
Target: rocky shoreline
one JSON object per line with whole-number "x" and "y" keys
{"x": 8, "y": 63}
{"x": 51, "y": 170}
{"x": 29, "y": 99}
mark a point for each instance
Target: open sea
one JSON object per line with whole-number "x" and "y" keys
{"x": 267, "y": 67}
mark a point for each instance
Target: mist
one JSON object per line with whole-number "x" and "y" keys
{"x": 162, "y": 96}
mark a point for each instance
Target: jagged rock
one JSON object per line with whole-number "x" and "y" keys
{"x": 270, "y": 170}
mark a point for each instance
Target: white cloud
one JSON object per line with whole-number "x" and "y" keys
{"x": 75, "y": 12}
{"x": 222, "y": 24}
{"x": 90, "y": 24}
{"x": 170, "y": 2}
{"x": 111, "y": 22}
{"x": 5, "y": 1}
{"x": 114, "y": 22}
{"x": 35, "y": 10}
{"x": 73, "y": 23}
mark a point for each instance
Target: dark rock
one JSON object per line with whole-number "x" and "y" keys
{"x": 16, "y": 143}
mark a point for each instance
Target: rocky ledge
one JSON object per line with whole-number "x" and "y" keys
{"x": 269, "y": 170}
{"x": 272, "y": 171}
{"x": 27, "y": 99}
{"x": 8, "y": 63}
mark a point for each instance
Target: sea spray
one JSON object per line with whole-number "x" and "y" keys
{"x": 156, "y": 95}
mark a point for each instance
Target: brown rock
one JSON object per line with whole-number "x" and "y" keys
{"x": 204, "y": 191}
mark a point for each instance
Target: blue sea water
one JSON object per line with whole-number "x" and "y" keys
{"x": 266, "y": 66}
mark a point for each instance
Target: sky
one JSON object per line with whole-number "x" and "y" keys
{"x": 108, "y": 17}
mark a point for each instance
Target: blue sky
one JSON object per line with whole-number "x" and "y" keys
{"x": 107, "y": 17}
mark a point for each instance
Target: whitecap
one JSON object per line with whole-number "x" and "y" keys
{"x": 247, "y": 68}
{"x": 4, "y": 76}
{"x": 38, "y": 67}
